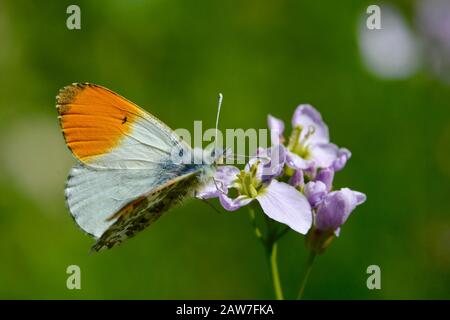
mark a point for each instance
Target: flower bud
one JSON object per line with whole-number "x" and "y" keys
{"x": 336, "y": 207}
{"x": 326, "y": 175}
{"x": 315, "y": 192}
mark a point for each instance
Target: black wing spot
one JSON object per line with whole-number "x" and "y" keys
{"x": 124, "y": 120}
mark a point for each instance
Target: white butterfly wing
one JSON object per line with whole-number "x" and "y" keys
{"x": 124, "y": 152}
{"x": 95, "y": 195}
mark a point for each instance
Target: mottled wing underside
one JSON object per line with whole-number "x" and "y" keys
{"x": 142, "y": 212}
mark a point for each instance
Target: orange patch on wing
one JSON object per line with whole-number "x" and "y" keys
{"x": 94, "y": 119}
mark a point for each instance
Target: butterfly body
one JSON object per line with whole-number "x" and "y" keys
{"x": 127, "y": 175}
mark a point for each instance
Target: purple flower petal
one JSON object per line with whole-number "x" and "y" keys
{"x": 342, "y": 158}
{"x": 233, "y": 204}
{"x": 285, "y": 204}
{"x": 223, "y": 179}
{"x": 271, "y": 160}
{"x": 324, "y": 154}
{"x": 307, "y": 117}
{"x": 315, "y": 192}
{"x": 296, "y": 162}
{"x": 276, "y": 127}
{"x": 334, "y": 210}
{"x": 208, "y": 191}
{"x": 297, "y": 179}
{"x": 226, "y": 175}
{"x": 326, "y": 175}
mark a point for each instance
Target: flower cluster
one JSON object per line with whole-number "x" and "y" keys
{"x": 292, "y": 180}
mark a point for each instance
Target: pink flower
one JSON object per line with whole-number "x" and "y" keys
{"x": 309, "y": 146}
{"x": 278, "y": 200}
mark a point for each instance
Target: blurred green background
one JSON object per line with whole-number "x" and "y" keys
{"x": 172, "y": 58}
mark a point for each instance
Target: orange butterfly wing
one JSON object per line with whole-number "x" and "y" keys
{"x": 94, "y": 119}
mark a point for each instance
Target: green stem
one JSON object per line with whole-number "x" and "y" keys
{"x": 309, "y": 265}
{"x": 269, "y": 242}
{"x": 258, "y": 232}
{"x": 272, "y": 254}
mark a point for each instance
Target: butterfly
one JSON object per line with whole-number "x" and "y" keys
{"x": 129, "y": 169}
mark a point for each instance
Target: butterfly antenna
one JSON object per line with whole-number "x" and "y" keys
{"x": 217, "y": 118}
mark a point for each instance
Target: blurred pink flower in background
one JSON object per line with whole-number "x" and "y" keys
{"x": 433, "y": 23}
